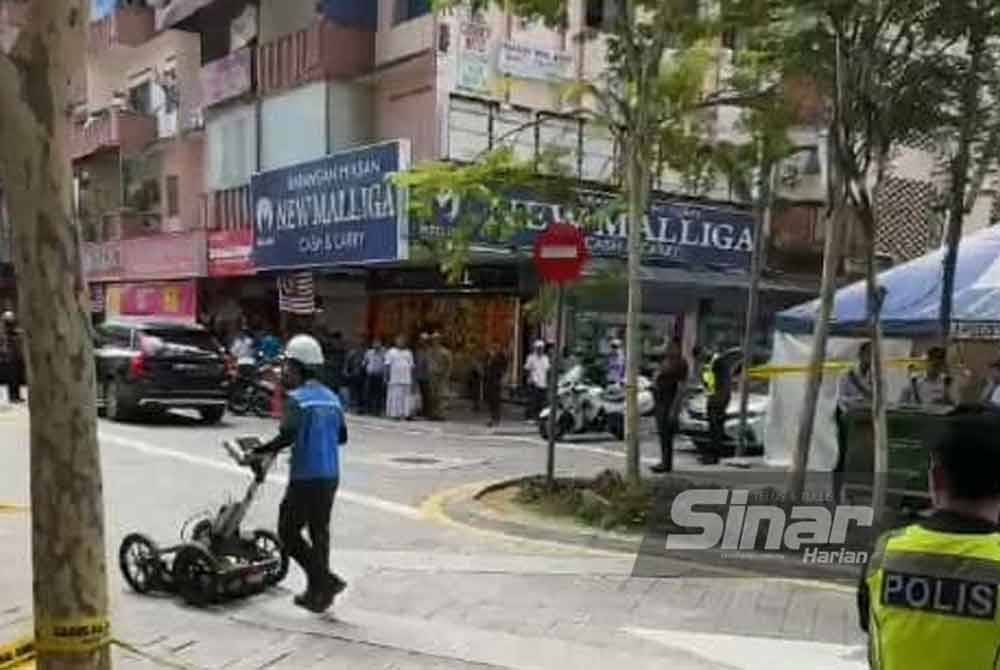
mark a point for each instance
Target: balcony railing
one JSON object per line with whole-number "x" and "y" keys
{"x": 226, "y": 78}
{"x": 128, "y": 26}
{"x": 115, "y": 129}
{"x": 324, "y": 50}
{"x": 228, "y": 209}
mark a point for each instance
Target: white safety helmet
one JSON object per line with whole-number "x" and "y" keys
{"x": 8, "y": 317}
{"x": 306, "y": 350}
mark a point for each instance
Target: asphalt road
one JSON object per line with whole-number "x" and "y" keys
{"x": 423, "y": 593}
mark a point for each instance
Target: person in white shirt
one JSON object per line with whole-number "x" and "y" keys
{"x": 991, "y": 394}
{"x": 399, "y": 370}
{"x": 537, "y": 366}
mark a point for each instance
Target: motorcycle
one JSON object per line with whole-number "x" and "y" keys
{"x": 253, "y": 389}
{"x": 587, "y": 408}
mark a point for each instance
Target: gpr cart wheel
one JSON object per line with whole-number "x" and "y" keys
{"x": 195, "y": 573}
{"x": 269, "y": 547}
{"x": 202, "y": 532}
{"x": 139, "y": 560}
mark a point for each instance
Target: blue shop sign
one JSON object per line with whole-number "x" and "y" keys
{"x": 674, "y": 232}
{"x": 339, "y": 210}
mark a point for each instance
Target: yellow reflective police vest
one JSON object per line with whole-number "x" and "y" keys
{"x": 934, "y": 601}
{"x": 708, "y": 375}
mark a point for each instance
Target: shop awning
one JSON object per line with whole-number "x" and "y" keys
{"x": 913, "y": 296}
{"x": 707, "y": 278}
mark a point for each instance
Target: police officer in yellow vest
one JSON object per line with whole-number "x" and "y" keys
{"x": 716, "y": 378}
{"x": 928, "y": 598}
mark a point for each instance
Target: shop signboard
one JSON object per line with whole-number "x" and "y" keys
{"x": 230, "y": 253}
{"x": 677, "y": 233}
{"x": 171, "y": 256}
{"x": 474, "y": 57}
{"x": 103, "y": 261}
{"x": 524, "y": 61}
{"x": 343, "y": 209}
{"x": 161, "y": 300}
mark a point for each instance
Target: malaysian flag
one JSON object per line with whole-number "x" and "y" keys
{"x": 296, "y": 293}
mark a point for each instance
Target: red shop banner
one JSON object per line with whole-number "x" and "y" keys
{"x": 176, "y": 301}
{"x": 230, "y": 253}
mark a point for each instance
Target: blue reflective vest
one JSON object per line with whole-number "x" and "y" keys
{"x": 316, "y": 453}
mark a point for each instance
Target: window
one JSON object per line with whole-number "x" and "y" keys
{"x": 407, "y": 10}
{"x": 602, "y": 14}
{"x": 140, "y": 98}
{"x": 173, "y": 196}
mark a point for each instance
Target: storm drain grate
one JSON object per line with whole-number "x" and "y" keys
{"x": 415, "y": 460}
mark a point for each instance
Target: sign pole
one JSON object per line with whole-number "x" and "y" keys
{"x": 550, "y": 467}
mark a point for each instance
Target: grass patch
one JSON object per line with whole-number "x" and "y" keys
{"x": 608, "y": 501}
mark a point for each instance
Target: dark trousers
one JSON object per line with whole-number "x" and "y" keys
{"x": 493, "y": 402}
{"x": 536, "y": 401}
{"x": 356, "y": 384}
{"x": 838, "y": 469}
{"x": 426, "y": 398}
{"x": 667, "y": 429}
{"x": 716, "y": 429}
{"x": 375, "y": 395}
{"x": 307, "y": 505}
{"x": 15, "y": 379}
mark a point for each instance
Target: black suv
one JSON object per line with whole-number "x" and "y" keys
{"x": 153, "y": 367}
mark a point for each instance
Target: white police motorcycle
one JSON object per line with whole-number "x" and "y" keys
{"x": 586, "y": 408}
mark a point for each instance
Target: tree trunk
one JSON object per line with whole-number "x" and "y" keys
{"x": 637, "y": 181}
{"x": 814, "y": 379}
{"x": 959, "y": 169}
{"x": 880, "y": 432}
{"x": 68, "y": 553}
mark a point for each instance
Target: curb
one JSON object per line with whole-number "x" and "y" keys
{"x": 436, "y": 508}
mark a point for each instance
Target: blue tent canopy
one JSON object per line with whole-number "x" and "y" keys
{"x": 914, "y": 296}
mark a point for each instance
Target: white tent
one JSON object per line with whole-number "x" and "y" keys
{"x": 910, "y": 313}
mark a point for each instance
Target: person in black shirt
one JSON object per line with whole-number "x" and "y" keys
{"x": 669, "y": 390}
{"x": 493, "y": 373}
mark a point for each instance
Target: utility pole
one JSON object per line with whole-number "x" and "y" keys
{"x": 765, "y": 200}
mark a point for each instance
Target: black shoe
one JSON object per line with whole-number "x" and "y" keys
{"x": 322, "y": 600}
{"x": 303, "y": 599}
{"x": 708, "y": 460}
{"x": 660, "y": 468}
{"x": 337, "y": 585}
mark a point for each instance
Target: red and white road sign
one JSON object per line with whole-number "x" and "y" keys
{"x": 560, "y": 253}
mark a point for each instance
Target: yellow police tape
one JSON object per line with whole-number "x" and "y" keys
{"x": 77, "y": 636}
{"x": 16, "y": 654}
{"x": 771, "y": 371}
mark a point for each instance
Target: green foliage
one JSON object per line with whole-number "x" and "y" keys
{"x": 484, "y": 216}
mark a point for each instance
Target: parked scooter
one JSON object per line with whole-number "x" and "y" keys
{"x": 253, "y": 389}
{"x": 587, "y": 408}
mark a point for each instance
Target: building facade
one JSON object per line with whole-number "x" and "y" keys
{"x": 185, "y": 105}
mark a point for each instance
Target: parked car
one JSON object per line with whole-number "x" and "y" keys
{"x": 693, "y": 421}
{"x": 156, "y": 366}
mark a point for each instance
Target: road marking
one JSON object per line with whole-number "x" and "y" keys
{"x": 389, "y": 506}
{"x": 758, "y": 653}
